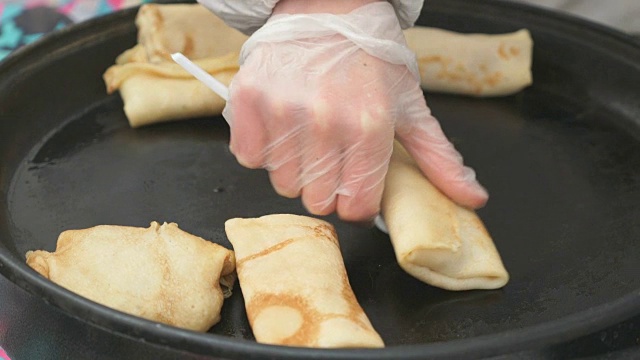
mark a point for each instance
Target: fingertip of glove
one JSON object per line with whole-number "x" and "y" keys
{"x": 245, "y": 162}
{"x": 478, "y": 197}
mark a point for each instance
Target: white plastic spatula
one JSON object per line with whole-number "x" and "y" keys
{"x": 212, "y": 83}
{"x": 223, "y": 91}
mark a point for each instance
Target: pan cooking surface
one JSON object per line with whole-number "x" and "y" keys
{"x": 560, "y": 211}
{"x": 562, "y": 168}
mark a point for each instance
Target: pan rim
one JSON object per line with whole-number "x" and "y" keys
{"x": 556, "y": 331}
{"x": 549, "y": 333}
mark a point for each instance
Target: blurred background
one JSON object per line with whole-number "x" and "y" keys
{"x": 623, "y": 15}
{"x": 24, "y": 21}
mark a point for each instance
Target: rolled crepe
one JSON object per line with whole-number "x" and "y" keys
{"x": 160, "y": 273}
{"x": 435, "y": 240}
{"x": 295, "y": 285}
{"x": 467, "y": 64}
{"x": 187, "y": 28}
{"x": 164, "y": 91}
{"x": 472, "y": 64}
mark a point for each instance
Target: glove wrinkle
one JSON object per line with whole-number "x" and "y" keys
{"x": 382, "y": 38}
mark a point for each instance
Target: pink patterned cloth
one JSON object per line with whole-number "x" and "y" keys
{"x": 3, "y": 355}
{"x": 24, "y": 21}
{"x": 76, "y": 10}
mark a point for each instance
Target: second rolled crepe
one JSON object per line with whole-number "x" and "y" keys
{"x": 295, "y": 285}
{"x": 472, "y": 64}
{"x": 153, "y": 88}
{"x": 154, "y": 93}
{"x": 434, "y": 239}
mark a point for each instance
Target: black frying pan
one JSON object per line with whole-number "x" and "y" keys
{"x": 561, "y": 160}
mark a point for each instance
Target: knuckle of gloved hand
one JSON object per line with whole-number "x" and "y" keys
{"x": 285, "y": 187}
{"x": 248, "y": 159}
{"x": 319, "y": 207}
{"x": 367, "y": 124}
{"x": 362, "y": 192}
{"x": 322, "y": 119}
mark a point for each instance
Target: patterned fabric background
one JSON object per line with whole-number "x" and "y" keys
{"x": 24, "y": 21}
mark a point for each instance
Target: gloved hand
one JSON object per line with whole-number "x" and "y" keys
{"x": 317, "y": 102}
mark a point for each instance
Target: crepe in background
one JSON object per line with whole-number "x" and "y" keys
{"x": 160, "y": 273}
{"x": 472, "y": 64}
{"x": 153, "y": 88}
{"x": 187, "y": 28}
{"x": 295, "y": 285}
{"x": 434, "y": 239}
{"x": 160, "y": 92}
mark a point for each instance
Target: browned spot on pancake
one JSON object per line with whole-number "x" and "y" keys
{"x": 461, "y": 74}
{"x": 322, "y": 232}
{"x": 432, "y": 59}
{"x": 229, "y": 264}
{"x": 188, "y": 47}
{"x": 502, "y": 52}
{"x": 326, "y": 232}
{"x": 457, "y": 73}
{"x": 493, "y": 79}
{"x": 159, "y": 18}
{"x": 308, "y": 333}
{"x": 470, "y": 79}
{"x": 264, "y": 252}
{"x": 514, "y": 51}
{"x": 460, "y": 68}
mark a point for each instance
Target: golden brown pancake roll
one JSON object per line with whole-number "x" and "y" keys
{"x": 472, "y": 64}
{"x": 295, "y": 285}
{"x": 159, "y": 92}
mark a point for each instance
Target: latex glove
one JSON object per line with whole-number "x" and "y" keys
{"x": 248, "y": 16}
{"x": 317, "y": 102}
